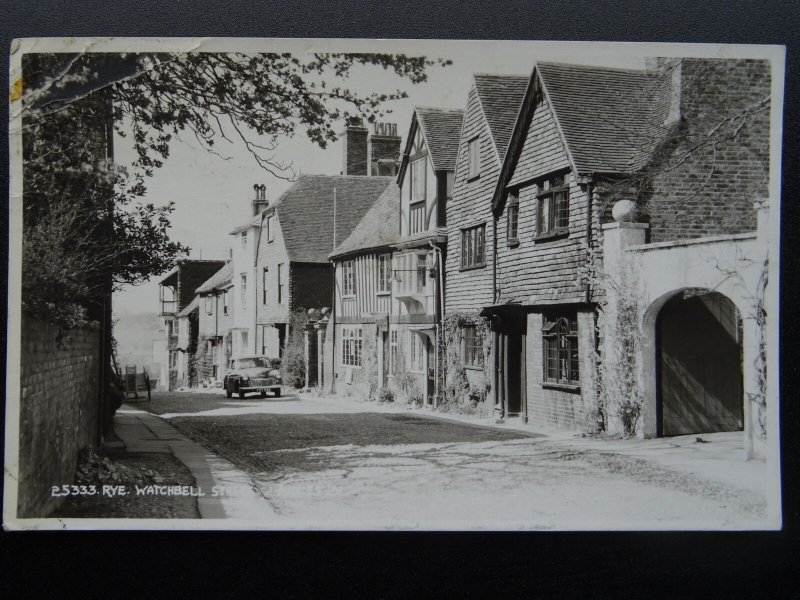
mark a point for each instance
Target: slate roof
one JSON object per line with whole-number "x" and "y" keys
{"x": 611, "y": 119}
{"x": 378, "y": 228}
{"x": 442, "y": 130}
{"x": 218, "y": 280}
{"x": 305, "y": 212}
{"x": 501, "y": 97}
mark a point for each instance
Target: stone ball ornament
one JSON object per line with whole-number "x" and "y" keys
{"x": 624, "y": 211}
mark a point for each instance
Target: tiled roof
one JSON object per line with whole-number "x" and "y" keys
{"x": 253, "y": 222}
{"x": 305, "y": 212}
{"x": 218, "y": 280}
{"x": 378, "y": 228}
{"x": 442, "y": 129}
{"x": 611, "y": 118}
{"x": 192, "y": 306}
{"x": 501, "y": 97}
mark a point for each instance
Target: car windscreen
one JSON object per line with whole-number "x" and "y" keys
{"x": 249, "y": 363}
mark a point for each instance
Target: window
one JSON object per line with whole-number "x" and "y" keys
{"x": 177, "y": 330}
{"x": 243, "y": 341}
{"x": 264, "y": 339}
{"x": 351, "y": 346}
{"x": 264, "y": 275}
{"x": 560, "y": 343}
{"x": 209, "y": 306}
{"x": 225, "y": 302}
{"x": 393, "y": 352}
{"x": 416, "y": 218}
{"x": 270, "y": 228}
{"x": 348, "y": 278}
{"x": 418, "y": 183}
{"x": 280, "y": 284}
{"x": 512, "y": 218}
{"x": 422, "y": 273}
{"x": 473, "y": 251}
{"x": 173, "y": 359}
{"x": 473, "y": 347}
{"x": 243, "y": 288}
{"x": 384, "y": 273}
{"x": 553, "y": 210}
{"x": 474, "y": 149}
{"x": 169, "y": 328}
{"x": 244, "y": 240}
{"x": 417, "y": 358}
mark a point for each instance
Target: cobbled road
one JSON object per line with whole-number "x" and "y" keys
{"x": 327, "y": 465}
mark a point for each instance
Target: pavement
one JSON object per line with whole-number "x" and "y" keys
{"x": 229, "y": 493}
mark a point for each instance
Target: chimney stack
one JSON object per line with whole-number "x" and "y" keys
{"x": 355, "y": 158}
{"x": 259, "y": 201}
{"x": 384, "y": 149}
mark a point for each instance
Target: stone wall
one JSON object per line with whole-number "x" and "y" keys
{"x": 58, "y": 409}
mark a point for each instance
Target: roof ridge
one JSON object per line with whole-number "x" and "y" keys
{"x": 498, "y": 75}
{"x": 593, "y": 67}
{"x": 439, "y": 108}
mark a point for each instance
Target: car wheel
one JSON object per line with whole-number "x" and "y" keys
{"x": 263, "y": 394}
{"x": 228, "y": 390}
{"x": 277, "y": 392}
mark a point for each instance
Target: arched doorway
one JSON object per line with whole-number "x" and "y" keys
{"x": 699, "y": 362}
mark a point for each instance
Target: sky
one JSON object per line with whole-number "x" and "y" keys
{"x": 212, "y": 194}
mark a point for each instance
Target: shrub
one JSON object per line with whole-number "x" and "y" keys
{"x": 416, "y": 401}
{"x": 385, "y": 395}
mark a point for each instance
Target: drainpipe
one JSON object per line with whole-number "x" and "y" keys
{"x": 589, "y": 209}
{"x": 255, "y": 282}
{"x": 440, "y": 316}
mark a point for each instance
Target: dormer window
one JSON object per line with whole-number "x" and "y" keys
{"x": 474, "y": 149}
{"x": 244, "y": 240}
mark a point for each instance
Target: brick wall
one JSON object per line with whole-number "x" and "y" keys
{"x": 384, "y": 147}
{"x": 554, "y": 408}
{"x": 58, "y": 409}
{"x": 713, "y": 191}
{"x": 355, "y": 151}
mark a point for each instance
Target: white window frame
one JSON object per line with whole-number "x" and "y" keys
{"x": 393, "y": 348}
{"x": 385, "y": 274}
{"x": 351, "y": 346}
{"x": 348, "y": 279}
{"x": 416, "y": 353}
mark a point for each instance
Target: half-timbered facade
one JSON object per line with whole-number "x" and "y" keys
{"x": 426, "y": 183}
{"x": 364, "y": 299}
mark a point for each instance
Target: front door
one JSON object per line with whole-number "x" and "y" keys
{"x": 511, "y": 372}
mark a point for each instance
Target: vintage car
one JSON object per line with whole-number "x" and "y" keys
{"x": 252, "y": 373}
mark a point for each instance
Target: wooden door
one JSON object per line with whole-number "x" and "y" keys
{"x": 700, "y": 369}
